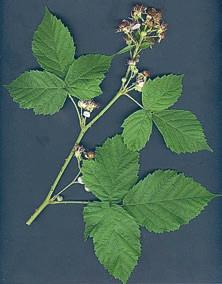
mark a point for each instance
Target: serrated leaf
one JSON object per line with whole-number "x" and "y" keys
{"x": 116, "y": 238}
{"x": 161, "y": 93}
{"x": 181, "y": 130}
{"x": 165, "y": 200}
{"x": 137, "y": 129}
{"x": 38, "y": 90}
{"x": 53, "y": 45}
{"x": 113, "y": 172}
{"x": 86, "y": 74}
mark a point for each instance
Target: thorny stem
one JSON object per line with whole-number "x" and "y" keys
{"x": 84, "y": 128}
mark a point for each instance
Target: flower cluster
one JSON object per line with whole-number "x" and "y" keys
{"x": 81, "y": 152}
{"x": 88, "y": 106}
{"x": 145, "y": 22}
{"x": 141, "y": 80}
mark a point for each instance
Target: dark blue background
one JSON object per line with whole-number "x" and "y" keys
{"x": 52, "y": 250}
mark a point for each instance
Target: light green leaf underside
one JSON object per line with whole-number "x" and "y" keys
{"x": 86, "y": 74}
{"x": 116, "y": 238}
{"x": 38, "y": 90}
{"x": 113, "y": 172}
{"x": 161, "y": 93}
{"x": 53, "y": 45}
{"x": 181, "y": 131}
{"x": 165, "y": 200}
{"x": 137, "y": 129}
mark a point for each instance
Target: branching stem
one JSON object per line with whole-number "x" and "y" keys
{"x": 84, "y": 128}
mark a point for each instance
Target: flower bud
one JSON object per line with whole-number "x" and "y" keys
{"x": 80, "y": 180}
{"x": 59, "y": 198}
{"x": 135, "y": 26}
{"x": 87, "y": 189}
{"x": 86, "y": 114}
{"x": 123, "y": 80}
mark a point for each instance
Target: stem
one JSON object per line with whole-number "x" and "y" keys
{"x": 55, "y": 183}
{"x": 69, "y": 202}
{"x": 135, "y": 101}
{"x": 77, "y": 110}
{"x": 114, "y": 99}
{"x": 84, "y": 129}
{"x": 66, "y": 187}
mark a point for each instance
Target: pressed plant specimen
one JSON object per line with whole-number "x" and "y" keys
{"x": 162, "y": 201}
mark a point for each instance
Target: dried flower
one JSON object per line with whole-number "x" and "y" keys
{"x": 140, "y": 81}
{"x": 124, "y": 26}
{"x": 137, "y": 11}
{"x": 90, "y": 155}
{"x": 162, "y": 31}
{"x": 146, "y": 73}
{"x": 78, "y": 151}
{"x": 88, "y": 105}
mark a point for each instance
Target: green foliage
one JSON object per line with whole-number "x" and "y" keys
{"x": 137, "y": 129}
{"x": 116, "y": 238}
{"x": 41, "y": 91}
{"x": 113, "y": 172}
{"x": 162, "y": 202}
{"x": 53, "y": 45}
{"x": 86, "y": 74}
{"x": 181, "y": 130}
{"x": 165, "y": 200}
{"x": 161, "y": 93}
{"x": 54, "y": 50}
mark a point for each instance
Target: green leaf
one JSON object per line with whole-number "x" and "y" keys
{"x": 165, "y": 200}
{"x": 86, "y": 74}
{"x": 181, "y": 131}
{"x": 114, "y": 171}
{"x": 38, "y": 90}
{"x": 116, "y": 238}
{"x": 137, "y": 130}
{"x": 53, "y": 45}
{"x": 161, "y": 93}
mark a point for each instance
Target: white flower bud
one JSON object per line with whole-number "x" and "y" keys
{"x": 80, "y": 180}
{"x": 87, "y": 189}
{"x": 59, "y": 198}
{"x": 86, "y": 114}
{"x": 135, "y": 27}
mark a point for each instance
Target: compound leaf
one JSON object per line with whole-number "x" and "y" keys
{"x": 113, "y": 172}
{"x": 86, "y": 74}
{"x": 181, "y": 131}
{"x": 53, "y": 45}
{"x": 165, "y": 200}
{"x": 137, "y": 129}
{"x": 161, "y": 93}
{"x": 116, "y": 238}
{"x": 38, "y": 90}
